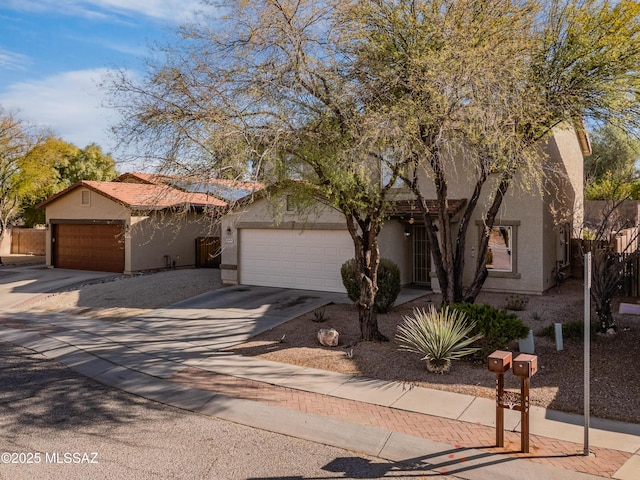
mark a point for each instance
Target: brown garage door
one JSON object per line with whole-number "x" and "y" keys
{"x": 89, "y": 247}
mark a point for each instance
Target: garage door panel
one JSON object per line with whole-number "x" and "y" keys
{"x": 309, "y": 260}
{"x": 89, "y": 247}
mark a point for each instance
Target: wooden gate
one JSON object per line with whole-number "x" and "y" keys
{"x": 208, "y": 252}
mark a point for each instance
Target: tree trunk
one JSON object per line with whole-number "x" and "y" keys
{"x": 368, "y": 320}
{"x": 364, "y": 233}
{"x": 605, "y": 317}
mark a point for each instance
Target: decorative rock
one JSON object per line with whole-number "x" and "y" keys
{"x": 328, "y": 337}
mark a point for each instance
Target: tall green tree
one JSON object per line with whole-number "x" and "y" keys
{"x": 20, "y": 178}
{"x": 613, "y": 151}
{"x": 53, "y": 165}
{"x": 453, "y": 76}
{"x": 611, "y": 172}
{"x": 41, "y": 170}
{"x": 89, "y": 163}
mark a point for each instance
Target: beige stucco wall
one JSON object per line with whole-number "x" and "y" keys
{"x": 564, "y": 196}
{"x": 395, "y": 246}
{"x": 163, "y": 237}
{"x": 537, "y": 235}
{"x": 523, "y": 210}
{"x": 270, "y": 213}
{"x": 625, "y": 214}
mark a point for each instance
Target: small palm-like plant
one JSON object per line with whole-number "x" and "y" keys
{"x": 439, "y": 335}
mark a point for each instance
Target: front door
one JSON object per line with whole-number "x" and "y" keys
{"x": 421, "y": 256}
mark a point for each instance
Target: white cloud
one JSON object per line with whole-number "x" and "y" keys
{"x": 12, "y": 60}
{"x": 167, "y": 10}
{"x": 68, "y": 103}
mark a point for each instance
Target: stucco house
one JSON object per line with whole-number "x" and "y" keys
{"x": 529, "y": 243}
{"x": 127, "y": 225}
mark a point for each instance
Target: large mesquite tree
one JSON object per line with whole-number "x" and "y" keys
{"x": 270, "y": 88}
{"x": 477, "y": 88}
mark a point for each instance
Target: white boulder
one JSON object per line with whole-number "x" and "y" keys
{"x": 328, "y": 337}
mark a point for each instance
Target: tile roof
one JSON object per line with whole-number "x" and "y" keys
{"x": 228, "y": 190}
{"x": 143, "y": 196}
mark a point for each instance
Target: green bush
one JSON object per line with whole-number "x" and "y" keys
{"x": 388, "y": 283}
{"x": 498, "y": 327}
{"x": 349, "y": 273}
{"x": 573, "y": 330}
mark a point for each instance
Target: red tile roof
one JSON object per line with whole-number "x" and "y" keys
{"x": 143, "y": 196}
{"x": 157, "y": 178}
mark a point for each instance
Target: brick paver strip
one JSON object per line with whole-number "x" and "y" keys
{"x": 567, "y": 455}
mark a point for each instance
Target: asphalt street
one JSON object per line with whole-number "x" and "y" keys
{"x": 57, "y": 424}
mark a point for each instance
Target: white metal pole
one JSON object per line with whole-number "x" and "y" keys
{"x": 587, "y": 347}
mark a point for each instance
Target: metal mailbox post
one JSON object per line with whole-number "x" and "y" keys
{"x": 499, "y": 363}
{"x": 524, "y": 366}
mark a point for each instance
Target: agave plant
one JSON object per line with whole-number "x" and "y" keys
{"x": 439, "y": 335}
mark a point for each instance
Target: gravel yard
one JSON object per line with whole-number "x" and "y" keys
{"x": 615, "y": 387}
{"x": 128, "y": 296}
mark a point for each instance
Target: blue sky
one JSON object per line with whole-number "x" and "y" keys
{"x": 53, "y": 53}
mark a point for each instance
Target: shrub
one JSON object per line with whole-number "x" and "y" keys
{"x": 388, "y": 283}
{"x": 439, "y": 335}
{"x": 498, "y": 327}
{"x": 573, "y": 330}
{"x": 318, "y": 314}
{"x": 516, "y": 303}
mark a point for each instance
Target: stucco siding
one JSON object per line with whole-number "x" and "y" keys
{"x": 163, "y": 239}
{"x": 395, "y": 246}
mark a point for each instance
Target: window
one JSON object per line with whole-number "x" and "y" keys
{"x": 502, "y": 249}
{"x": 291, "y": 207}
{"x": 499, "y": 256}
{"x": 387, "y": 174}
{"x": 86, "y": 198}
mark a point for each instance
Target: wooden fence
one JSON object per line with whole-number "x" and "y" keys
{"x": 28, "y": 241}
{"x": 630, "y": 286}
{"x": 629, "y": 262}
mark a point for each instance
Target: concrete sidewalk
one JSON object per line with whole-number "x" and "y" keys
{"x": 173, "y": 356}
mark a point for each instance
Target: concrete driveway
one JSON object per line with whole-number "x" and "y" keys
{"x": 228, "y": 316}
{"x": 19, "y": 284}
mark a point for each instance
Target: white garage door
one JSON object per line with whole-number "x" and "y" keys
{"x": 309, "y": 260}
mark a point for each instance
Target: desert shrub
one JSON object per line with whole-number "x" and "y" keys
{"x": 318, "y": 314}
{"x": 440, "y": 335}
{"x": 573, "y": 330}
{"x": 516, "y": 303}
{"x": 388, "y": 283}
{"x": 498, "y": 327}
